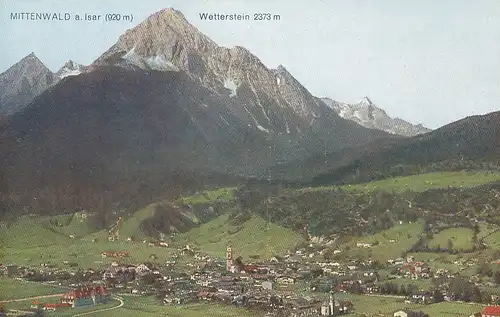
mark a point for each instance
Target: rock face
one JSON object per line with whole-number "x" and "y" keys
{"x": 22, "y": 82}
{"x": 365, "y": 113}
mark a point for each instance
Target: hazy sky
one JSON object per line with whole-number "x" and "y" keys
{"x": 424, "y": 61}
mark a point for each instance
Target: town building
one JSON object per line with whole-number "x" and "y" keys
{"x": 86, "y": 296}
{"x": 328, "y": 308}
{"x": 229, "y": 258}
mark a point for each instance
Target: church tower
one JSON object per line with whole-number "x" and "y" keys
{"x": 229, "y": 258}
{"x": 331, "y": 304}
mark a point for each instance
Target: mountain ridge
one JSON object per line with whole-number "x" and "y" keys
{"x": 367, "y": 114}
{"x": 472, "y": 143}
{"x": 224, "y": 70}
{"x": 21, "y": 83}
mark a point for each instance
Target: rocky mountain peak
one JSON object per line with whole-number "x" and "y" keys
{"x": 70, "y": 64}
{"x": 271, "y": 101}
{"x": 22, "y": 82}
{"x": 30, "y": 61}
{"x": 366, "y": 102}
{"x": 367, "y": 114}
{"x": 70, "y": 68}
{"x": 156, "y": 41}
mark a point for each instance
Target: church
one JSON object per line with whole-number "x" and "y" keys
{"x": 333, "y": 307}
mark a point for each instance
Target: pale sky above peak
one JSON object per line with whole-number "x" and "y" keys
{"x": 430, "y": 62}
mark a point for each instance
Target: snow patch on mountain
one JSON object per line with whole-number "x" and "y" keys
{"x": 159, "y": 63}
{"x": 257, "y": 124}
{"x": 230, "y": 84}
{"x": 69, "y": 72}
{"x": 156, "y": 62}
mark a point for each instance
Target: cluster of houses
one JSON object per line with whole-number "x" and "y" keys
{"x": 89, "y": 295}
{"x": 270, "y": 286}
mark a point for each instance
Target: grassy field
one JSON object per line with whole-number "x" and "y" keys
{"x": 223, "y": 194}
{"x": 402, "y": 237}
{"x": 423, "y": 182}
{"x": 13, "y": 289}
{"x": 77, "y": 224}
{"x": 422, "y": 284}
{"x": 486, "y": 229}
{"x": 61, "y": 312}
{"x": 29, "y": 231}
{"x": 34, "y": 240}
{"x": 493, "y": 240}
{"x": 147, "y": 307}
{"x": 445, "y": 309}
{"x": 30, "y": 241}
{"x": 374, "y": 306}
{"x": 460, "y": 237}
{"x": 86, "y": 253}
{"x": 255, "y": 237}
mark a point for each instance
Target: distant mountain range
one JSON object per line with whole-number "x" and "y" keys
{"x": 166, "y": 109}
{"x": 370, "y": 116}
{"x": 271, "y": 92}
{"x": 165, "y": 98}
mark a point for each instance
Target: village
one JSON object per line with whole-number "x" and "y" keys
{"x": 293, "y": 285}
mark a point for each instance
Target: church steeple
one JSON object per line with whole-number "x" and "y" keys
{"x": 229, "y": 258}
{"x": 331, "y": 304}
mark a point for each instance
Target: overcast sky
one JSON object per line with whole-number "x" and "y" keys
{"x": 425, "y": 61}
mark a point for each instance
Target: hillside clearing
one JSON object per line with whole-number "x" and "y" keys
{"x": 208, "y": 196}
{"x": 460, "y": 239}
{"x": 422, "y": 182}
{"x": 388, "y": 244}
{"x": 253, "y": 237}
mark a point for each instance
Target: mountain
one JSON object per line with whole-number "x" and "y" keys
{"x": 271, "y": 101}
{"x": 116, "y": 131}
{"x": 470, "y": 143}
{"x": 22, "y": 82}
{"x": 28, "y": 78}
{"x": 70, "y": 68}
{"x": 370, "y": 116}
{"x": 164, "y": 110}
